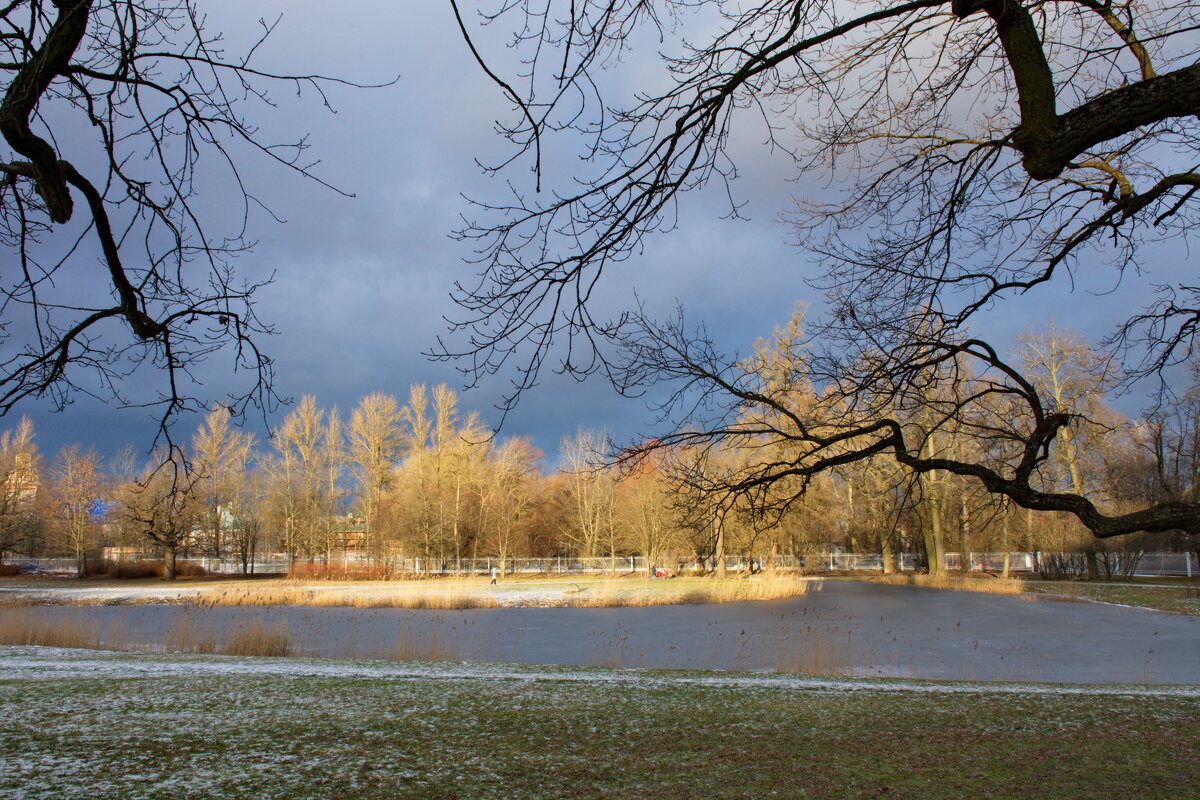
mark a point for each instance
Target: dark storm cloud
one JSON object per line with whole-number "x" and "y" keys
{"x": 362, "y": 285}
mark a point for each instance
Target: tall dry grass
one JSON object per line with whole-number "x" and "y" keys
{"x": 470, "y": 595}
{"x": 47, "y": 627}
{"x": 817, "y": 652}
{"x": 256, "y": 638}
{"x": 440, "y": 598}
{"x": 703, "y": 590}
{"x": 186, "y": 635}
{"x": 427, "y": 645}
{"x": 958, "y": 583}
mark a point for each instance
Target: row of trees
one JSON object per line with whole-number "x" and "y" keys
{"x": 789, "y": 453}
{"x": 422, "y": 480}
{"x": 427, "y": 480}
{"x": 972, "y": 152}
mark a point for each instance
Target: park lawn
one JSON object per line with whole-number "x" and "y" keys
{"x": 107, "y": 725}
{"x": 1180, "y": 596}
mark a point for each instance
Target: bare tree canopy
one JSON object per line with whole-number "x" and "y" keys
{"x": 117, "y": 115}
{"x": 983, "y": 149}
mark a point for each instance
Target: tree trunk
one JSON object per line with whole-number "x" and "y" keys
{"x": 932, "y": 529}
{"x": 964, "y": 564}
{"x": 1093, "y": 568}
{"x": 719, "y": 522}
{"x": 169, "y": 562}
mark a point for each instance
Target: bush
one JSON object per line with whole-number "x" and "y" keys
{"x": 142, "y": 568}
{"x": 186, "y": 570}
{"x": 315, "y": 571}
{"x": 130, "y": 570}
{"x": 8, "y": 570}
{"x": 125, "y": 569}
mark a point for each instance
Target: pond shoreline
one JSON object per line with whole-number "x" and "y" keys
{"x": 846, "y": 628}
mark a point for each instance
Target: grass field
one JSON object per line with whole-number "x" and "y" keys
{"x": 106, "y": 725}
{"x": 1179, "y": 595}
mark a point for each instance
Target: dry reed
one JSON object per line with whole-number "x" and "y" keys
{"x": 704, "y": 590}
{"x": 817, "y": 652}
{"x": 51, "y": 627}
{"x": 959, "y": 583}
{"x": 258, "y": 639}
{"x": 47, "y": 628}
{"x": 445, "y": 598}
{"x": 425, "y": 646}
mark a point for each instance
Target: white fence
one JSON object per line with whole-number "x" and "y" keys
{"x": 1145, "y": 565}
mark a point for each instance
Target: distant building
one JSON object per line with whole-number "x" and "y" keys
{"x": 21, "y": 485}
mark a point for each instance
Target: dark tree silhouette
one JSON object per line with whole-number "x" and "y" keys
{"x": 985, "y": 148}
{"x": 116, "y": 113}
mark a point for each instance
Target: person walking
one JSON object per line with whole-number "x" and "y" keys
{"x": 495, "y": 572}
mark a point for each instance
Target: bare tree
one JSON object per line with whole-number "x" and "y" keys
{"x": 590, "y": 491}
{"x": 248, "y": 515}
{"x": 76, "y": 488}
{"x": 114, "y": 113}
{"x": 1173, "y": 437}
{"x": 375, "y": 444}
{"x": 644, "y": 509}
{"x": 991, "y": 145}
{"x": 20, "y": 522}
{"x": 446, "y": 454}
{"x": 161, "y": 506}
{"x": 221, "y": 455}
{"x": 304, "y": 470}
{"x": 508, "y": 496}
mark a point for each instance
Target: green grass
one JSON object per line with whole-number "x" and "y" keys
{"x": 142, "y": 726}
{"x": 1182, "y": 596}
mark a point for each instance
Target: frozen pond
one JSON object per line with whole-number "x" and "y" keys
{"x": 840, "y": 628}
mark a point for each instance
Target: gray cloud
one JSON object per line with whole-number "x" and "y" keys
{"x": 362, "y": 285}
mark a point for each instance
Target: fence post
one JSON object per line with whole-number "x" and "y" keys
{"x": 1187, "y": 559}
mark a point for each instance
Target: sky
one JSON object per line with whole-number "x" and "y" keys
{"x": 362, "y": 285}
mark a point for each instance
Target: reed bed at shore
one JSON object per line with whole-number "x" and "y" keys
{"x": 612, "y": 594}
{"x": 47, "y": 627}
{"x": 470, "y": 595}
{"x": 958, "y": 583}
{"x": 440, "y": 598}
{"x": 53, "y": 627}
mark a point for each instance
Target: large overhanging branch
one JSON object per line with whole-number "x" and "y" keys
{"x": 545, "y": 255}
{"x": 31, "y": 81}
{"x": 139, "y": 77}
{"x": 885, "y": 438}
{"x": 789, "y": 434}
{"x": 1049, "y": 141}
